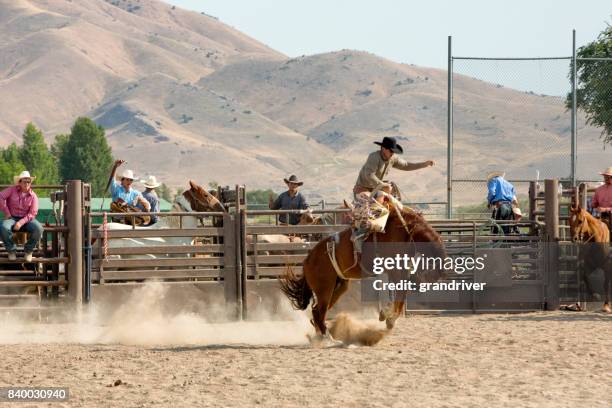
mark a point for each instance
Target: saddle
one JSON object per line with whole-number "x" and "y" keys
{"x": 123, "y": 207}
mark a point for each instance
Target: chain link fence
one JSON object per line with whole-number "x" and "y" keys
{"x": 515, "y": 115}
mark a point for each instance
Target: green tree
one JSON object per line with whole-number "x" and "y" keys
{"x": 58, "y": 146}
{"x": 11, "y": 164}
{"x": 165, "y": 192}
{"x": 36, "y": 156}
{"x": 594, "y": 83}
{"x": 86, "y": 155}
{"x": 259, "y": 196}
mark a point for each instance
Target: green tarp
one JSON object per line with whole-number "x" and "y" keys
{"x": 45, "y": 208}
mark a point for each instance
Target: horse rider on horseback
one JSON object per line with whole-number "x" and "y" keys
{"x": 602, "y": 199}
{"x": 372, "y": 174}
{"x": 371, "y": 190}
{"x": 501, "y": 196}
{"x": 123, "y": 194}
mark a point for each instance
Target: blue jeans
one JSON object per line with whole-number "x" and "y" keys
{"x": 33, "y": 227}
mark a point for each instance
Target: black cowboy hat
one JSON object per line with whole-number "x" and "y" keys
{"x": 293, "y": 180}
{"x": 391, "y": 144}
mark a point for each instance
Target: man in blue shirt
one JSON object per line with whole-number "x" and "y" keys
{"x": 123, "y": 191}
{"x": 151, "y": 196}
{"x": 501, "y": 196}
{"x": 291, "y": 199}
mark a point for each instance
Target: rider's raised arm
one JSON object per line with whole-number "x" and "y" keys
{"x": 112, "y": 183}
{"x": 402, "y": 164}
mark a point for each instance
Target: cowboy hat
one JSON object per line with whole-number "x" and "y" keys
{"x": 128, "y": 174}
{"x": 150, "y": 182}
{"x": 391, "y": 144}
{"x": 607, "y": 172}
{"x": 494, "y": 174}
{"x": 23, "y": 174}
{"x": 293, "y": 180}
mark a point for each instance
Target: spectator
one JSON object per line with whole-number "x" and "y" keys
{"x": 20, "y": 207}
{"x": 291, "y": 199}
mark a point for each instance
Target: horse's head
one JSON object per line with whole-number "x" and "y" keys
{"x": 308, "y": 219}
{"x": 201, "y": 200}
{"x": 579, "y": 225}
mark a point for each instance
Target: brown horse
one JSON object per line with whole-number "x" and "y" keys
{"x": 196, "y": 198}
{"x": 593, "y": 237}
{"x": 320, "y": 278}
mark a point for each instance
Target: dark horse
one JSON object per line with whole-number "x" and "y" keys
{"x": 321, "y": 279}
{"x": 593, "y": 237}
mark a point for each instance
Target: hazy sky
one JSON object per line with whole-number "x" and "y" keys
{"x": 416, "y": 32}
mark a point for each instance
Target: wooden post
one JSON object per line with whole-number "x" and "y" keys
{"x": 243, "y": 253}
{"x": 75, "y": 241}
{"x": 229, "y": 265}
{"x": 533, "y": 205}
{"x": 239, "y": 249}
{"x": 552, "y": 233}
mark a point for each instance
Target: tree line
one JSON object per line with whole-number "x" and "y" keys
{"x": 83, "y": 154}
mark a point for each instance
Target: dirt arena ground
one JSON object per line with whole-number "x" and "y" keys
{"x": 552, "y": 359}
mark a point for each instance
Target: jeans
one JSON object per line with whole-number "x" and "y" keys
{"x": 33, "y": 227}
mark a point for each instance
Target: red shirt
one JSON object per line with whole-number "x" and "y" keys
{"x": 14, "y": 203}
{"x": 603, "y": 197}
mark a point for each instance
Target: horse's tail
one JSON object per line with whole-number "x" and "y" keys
{"x": 296, "y": 288}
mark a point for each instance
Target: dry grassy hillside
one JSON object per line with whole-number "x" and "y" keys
{"x": 60, "y": 59}
{"x": 183, "y": 95}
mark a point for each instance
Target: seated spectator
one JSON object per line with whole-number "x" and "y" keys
{"x": 123, "y": 193}
{"x": 151, "y": 196}
{"x": 20, "y": 207}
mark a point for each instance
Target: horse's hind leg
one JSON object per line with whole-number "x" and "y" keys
{"x": 342, "y": 286}
{"x": 607, "y": 287}
{"x": 319, "y": 310}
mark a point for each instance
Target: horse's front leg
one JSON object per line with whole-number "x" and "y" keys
{"x": 607, "y": 287}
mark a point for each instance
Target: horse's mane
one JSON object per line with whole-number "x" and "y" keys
{"x": 415, "y": 222}
{"x": 596, "y": 227}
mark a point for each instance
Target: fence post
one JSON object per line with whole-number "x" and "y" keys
{"x": 75, "y": 240}
{"x": 230, "y": 252}
{"x": 243, "y": 257}
{"x": 552, "y": 233}
{"x": 533, "y": 205}
{"x": 239, "y": 245}
{"x": 449, "y": 130}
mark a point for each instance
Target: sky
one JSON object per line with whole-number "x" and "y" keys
{"x": 416, "y": 32}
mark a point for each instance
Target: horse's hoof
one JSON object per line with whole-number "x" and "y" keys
{"x": 390, "y": 322}
{"x": 324, "y": 341}
{"x": 606, "y": 308}
{"x": 382, "y": 316}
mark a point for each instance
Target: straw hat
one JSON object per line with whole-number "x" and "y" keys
{"x": 494, "y": 174}
{"x": 607, "y": 172}
{"x": 23, "y": 174}
{"x": 150, "y": 182}
{"x": 128, "y": 174}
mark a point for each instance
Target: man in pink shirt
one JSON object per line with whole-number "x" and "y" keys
{"x": 602, "y": 200}
{"x": 20, "y": 206}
